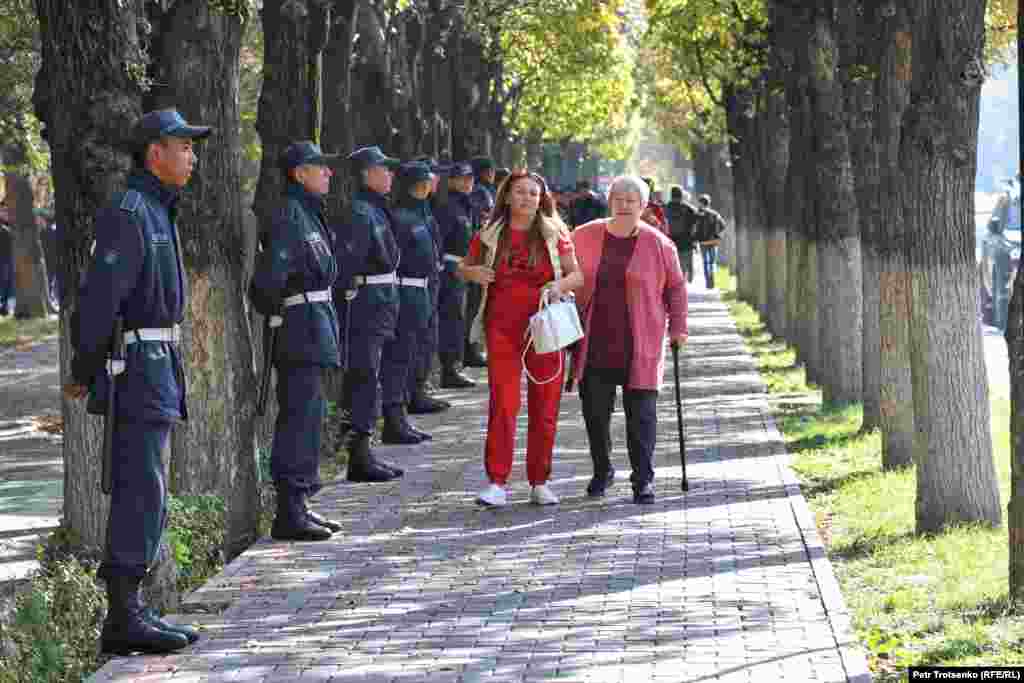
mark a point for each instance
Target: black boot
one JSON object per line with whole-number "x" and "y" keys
{"x": 291, "y": 522}
{"x": 191, "y": 635}
{"x": 361, "y": 466}
{"x": 423, "y": 403}
{"x": 396, "y": 429}
{"x": 126, "y": 629}
{"x": 472, "y": 358}
{"x": 423, "y": 436}
{"x": 319, "y": 520}
{"x": 451, "y": 378}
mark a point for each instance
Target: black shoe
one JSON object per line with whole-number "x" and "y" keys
{"x": 291, "y": 522}
{"x": 362, "y": 468}
{"x": 344, "y": 421}
{"x": 473, "y": 358}
{"x": 126, "y": 629}
{"x": 644, "y": 495}
{"x": 396, "y": 429}
{"x": 423, "y": 403}
{"x": 419, "y": 433}
{"x": 599, "y": 484}
{"x": 320, "y": 520}
{"x": 453, "y": 379}
{"x": 152, "y": 617}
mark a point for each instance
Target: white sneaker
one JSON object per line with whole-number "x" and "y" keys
{"x": 542, "y": 495}
{"x": 493, "y": 496}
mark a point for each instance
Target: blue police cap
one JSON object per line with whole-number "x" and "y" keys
{"x": 304, "y": 152}
{"x": 414, "y": 171}
{"x": 162, "y": 123}
{"x": 365, "y": 157}
{"x": 481, "y": 164}
{"x": 435, "y": 167}
{"x": 460, "y": 168}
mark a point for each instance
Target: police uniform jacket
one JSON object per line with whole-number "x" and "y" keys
{"x": 367, "y": 246}
{"x": 137, "y": 272}
{"x": 457, "y": 221}
{"x": 483, "y": 197}
{"x": 414, "y": 229}
{"x": 297, "y": 258}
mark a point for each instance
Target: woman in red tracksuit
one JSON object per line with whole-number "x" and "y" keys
{"x": 525, "y": 249}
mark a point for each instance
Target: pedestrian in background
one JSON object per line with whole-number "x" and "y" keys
{"x": 682, "y": 221}
{"x": 523, "y": 251}
{"x": 709, "y": 229}
{"x": 631, "y": 273}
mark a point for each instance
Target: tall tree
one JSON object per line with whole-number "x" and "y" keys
{"x": 956, "y": 479}
{"x": 88, "y": 98}
{"x": 194, "y": 65}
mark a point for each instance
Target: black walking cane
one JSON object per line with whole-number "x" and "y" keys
{"x": 679, "y": 415}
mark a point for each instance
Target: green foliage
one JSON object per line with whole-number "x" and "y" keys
{"x": 55, "y": 627}
{"x": 19, "y": 61}
{"x": 195, "y": 534}
{"x": 234, "y": 8}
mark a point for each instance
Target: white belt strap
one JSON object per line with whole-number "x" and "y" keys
{"x": 153, "y": 334}
{"x": 452, "y": 258}
{"x": 420, "y": 282}
{"x": 307, "y": 297}
{"x": 384, "y": 279}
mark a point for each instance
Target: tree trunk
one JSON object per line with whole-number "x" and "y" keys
{"x": 31, "y": 285}
{"x": 88, "y": 99}
{"x": 197, "y": 56}
{"x": 896, "y": 391}
{"x": 774, "y": 163}
{"x": 956, "y": 478}
{"x": 293, "y": 37}
{"x": 741, "y": 151}
{"x": 1015, "y": 348}
{"x": 839, "y": 261}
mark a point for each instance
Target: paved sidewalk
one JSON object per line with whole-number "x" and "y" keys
{"x": 728, "y": 582}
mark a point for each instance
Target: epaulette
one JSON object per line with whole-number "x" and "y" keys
{"x": 131, "y": 201}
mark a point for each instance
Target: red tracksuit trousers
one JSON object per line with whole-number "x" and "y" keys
{"x": 508, "y": 315}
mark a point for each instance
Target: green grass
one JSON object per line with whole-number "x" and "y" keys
{"x": 915, "y": 600}
{"x": 18, "y": 332}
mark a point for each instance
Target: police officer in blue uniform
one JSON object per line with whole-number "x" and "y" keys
{"x": 421, "y": 401}
{"x": 367, "y": 292}
{"x": 412, "y": 222}
{"x": 137, "y": 273}
{"x": 483, "y": 196}
{"x": 292, "y": 284}
{"x": 457, "y": 221}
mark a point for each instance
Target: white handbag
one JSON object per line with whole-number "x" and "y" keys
{"x": 554, "y": 326}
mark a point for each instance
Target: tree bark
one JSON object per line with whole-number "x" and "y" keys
{"x": 293, "y": 37}
{"x": 1015, "y": 348}
{"x": 839, "y": 260}
{"x": 774, "y": 162}
{"x": 88, "y": 98}
{"x": 896, "y": 391}
{"x": 956, "y": 478}
{"x": 31, "y": 285}
{"x": 740, "y": 150}
{"x": 196, "y": 61}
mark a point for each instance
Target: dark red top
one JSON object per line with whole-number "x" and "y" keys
{"x": 611, "y": 344}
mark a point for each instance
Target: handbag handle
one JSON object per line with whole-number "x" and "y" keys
{"x": 544, "y": 293}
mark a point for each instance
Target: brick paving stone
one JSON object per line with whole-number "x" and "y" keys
{"x": 727, "y": 582}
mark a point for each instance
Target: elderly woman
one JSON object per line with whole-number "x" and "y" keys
{"x": 522, "y": 251}
{"x": 631, "y": 273}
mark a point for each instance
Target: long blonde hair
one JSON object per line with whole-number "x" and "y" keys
{"x": 546, "y": 223}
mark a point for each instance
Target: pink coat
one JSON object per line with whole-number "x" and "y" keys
{"x": 655, "y": 293}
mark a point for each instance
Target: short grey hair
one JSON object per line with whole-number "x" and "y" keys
{"x": 631, "y": 183}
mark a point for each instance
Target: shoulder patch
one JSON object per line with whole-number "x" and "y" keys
{"x": 131, "y": 201}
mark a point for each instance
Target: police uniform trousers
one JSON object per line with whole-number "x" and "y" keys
{"x": 138, "y": 498}
{"x": 295, "y": 456}
{"x": 370, "y": 328}
{"x": 452, "y": 323}
{"x": 400, "y": 360}
{"x": 426, "y": 345}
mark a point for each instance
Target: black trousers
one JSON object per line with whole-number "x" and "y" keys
{"x": 295, "y": 455}
{"x": 597, "y": 392}
{"x": 138, "y": 498}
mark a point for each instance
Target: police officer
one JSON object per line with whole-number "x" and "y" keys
{"x": 412, "y": 222}
{"x": 997, "y": 255}
{"x": 368, "y": 255}
{"x": 421, "y": 401}
{"x": 137, "y": 273}
{"x": 483, "y": 196}
{"x": 291, "y": 285}
{"x": 456, "y": 219}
